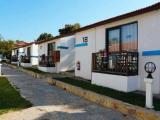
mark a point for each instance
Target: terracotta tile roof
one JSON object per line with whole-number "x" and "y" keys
{"x": 28, "y": 44}
{"x": 107, "y": 21}
{"x": 56, "y": 37}
{"x": 121, "y": 17}
{"x": 22, "y": 44}
{"x": 19, "y": 44}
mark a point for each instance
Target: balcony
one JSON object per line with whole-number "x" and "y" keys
{"x": 118, "y": 63}
{"x": 46, "y": 61}
{"x": 14, "y": 58}
{"x": 49, "y": 61}
{"x": 25, "y": 59}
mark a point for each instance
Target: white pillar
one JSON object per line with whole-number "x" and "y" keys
{"x": 18, "y": 63}
{"x": 0, "y": 69}
{"x": 149, "y": 94}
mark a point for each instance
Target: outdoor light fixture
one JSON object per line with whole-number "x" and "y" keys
{"x": 150, "y": 68}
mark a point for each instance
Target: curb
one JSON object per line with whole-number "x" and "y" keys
{"x": 35, "y": 75}
{"x": 128, "y": 109}
{"x": 125, "y": 108}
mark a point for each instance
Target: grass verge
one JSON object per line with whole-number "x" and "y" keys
{"x": 14, "y": 65}
{"x": 34, "y": 70}
{"x": 10, "y": 98}
{"x": 131, "y": 98}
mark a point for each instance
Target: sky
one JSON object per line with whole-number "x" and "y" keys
{"x": 27, "y": 19}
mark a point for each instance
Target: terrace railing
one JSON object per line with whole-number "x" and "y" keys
{"x": 46, "y": 61}
{"x": 120, "y": 63}
{"x": 49, "y": 61}
{"x": 25, "y": 59}
{"x": 14, "y": 58}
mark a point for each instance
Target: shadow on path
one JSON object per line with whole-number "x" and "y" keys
{"x": 52, "y": 103}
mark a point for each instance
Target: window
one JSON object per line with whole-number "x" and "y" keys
{"x": 129, "y": 37}
{"x": 51, "y": 48}
{"x": 123, "y": 38}
{"x": 114, "y": 40}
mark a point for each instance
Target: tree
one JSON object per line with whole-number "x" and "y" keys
{"x": 69, "y": 28}
{"x": 6, "y": 47}
{"x": 45, "y": 36}
{"x": 1, "y": 37}
{"x": 18, "y": 41}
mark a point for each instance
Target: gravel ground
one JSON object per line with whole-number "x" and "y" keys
{"x": 52, "y": 103}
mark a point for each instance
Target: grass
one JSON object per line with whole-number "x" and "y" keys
{"x": 34, "y": 70}
{"x": 14, "y": 65}
{"x": 10, "y": 98}
{"x": 131, "y": 98}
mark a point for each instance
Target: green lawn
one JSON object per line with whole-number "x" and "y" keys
{"x": 14, "y": 65}
{"x": 10, "y": 99}
{"x": 132, "y": 98}
{"x": 34, "y": 70}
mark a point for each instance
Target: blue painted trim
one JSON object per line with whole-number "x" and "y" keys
{"x": 81, "y": 45}
{"x": 151, "y": 53}
{"x": 62, "y": 47}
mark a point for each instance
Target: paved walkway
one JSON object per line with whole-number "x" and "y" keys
{"x": 52, "y": 103}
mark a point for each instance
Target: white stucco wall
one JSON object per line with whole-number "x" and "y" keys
{"x": 67, "y": 56}
{"x": 47, "y": 69}
{"x": 42, "y": 49}
{"x": 13, "y": 52}
{"x": 149, "y": 27}
{"x": 148, "y": 39}
{"x": 120, "y": 83}
{"x": 21, "y": 52}
{"x": 33, "y": 52}
{"x": 83, "y": 54}
{"x": 26, "y": 64}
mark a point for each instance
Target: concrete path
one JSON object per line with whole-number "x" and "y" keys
{"x": 51, "y": 103}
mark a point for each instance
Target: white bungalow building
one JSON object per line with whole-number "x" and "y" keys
{"x": 29, "y": 57}
{"x": 17, "y": 51}
{"x": 57, "y": 55}
{"x": 113, "y": 52}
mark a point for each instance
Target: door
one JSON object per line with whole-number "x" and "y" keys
{"x": 29, "y": 51}
{"x": 51, "y": 49}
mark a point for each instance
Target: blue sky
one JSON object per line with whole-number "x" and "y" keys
{"x": 26, "y": 19}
